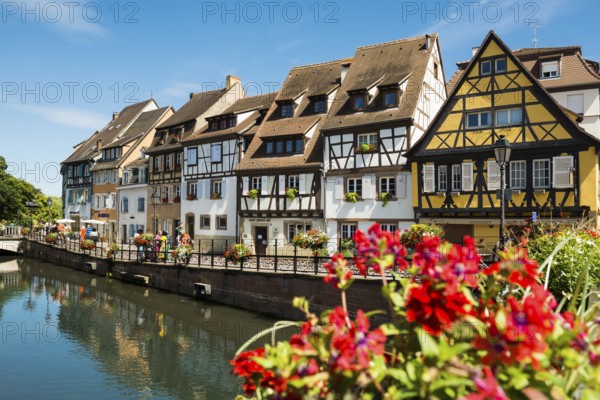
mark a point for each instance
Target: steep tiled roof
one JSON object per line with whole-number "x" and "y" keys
{"x": 382, "y": 65}
{"x": 574, "y": 69}
{"x": 196, "y": 106}
{"x": 260, "y": 102}
{"x": 308, "y": 81}
{"x": 88, "y": 149}
{"x": 140, "y": 162}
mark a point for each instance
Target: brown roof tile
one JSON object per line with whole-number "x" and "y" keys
{"x": 195, "y": 107}
{"x": 382, "y": 64}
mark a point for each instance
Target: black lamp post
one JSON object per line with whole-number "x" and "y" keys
{"x": 31, "y": 205}
{"x": 155, "y": 200}
{"x": 49, "y": 204}
{"x": 502, "y": 150}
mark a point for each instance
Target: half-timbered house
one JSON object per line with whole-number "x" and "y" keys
{"x": 281, "y": 172}
{"x": 389, "y": 93}
{"x": 166, "y": 152}
{"x": 553, "y": 169}
{"x": 76, "y": 169}
{"x": 209, "y": 200}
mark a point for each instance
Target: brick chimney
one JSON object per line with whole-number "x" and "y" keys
{"x": 115, "y": 115}
{"x": 98, "y": 144}
{"x": 230, "y": 81}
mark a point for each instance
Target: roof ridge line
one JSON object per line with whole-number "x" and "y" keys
{"x": 397, "y": 41}
{"x": 322, "y": 63}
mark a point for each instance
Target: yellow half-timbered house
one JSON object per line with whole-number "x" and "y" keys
{"x": 553, "y": 170}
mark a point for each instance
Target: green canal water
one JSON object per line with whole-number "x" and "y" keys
{"x": 65, "y": 334}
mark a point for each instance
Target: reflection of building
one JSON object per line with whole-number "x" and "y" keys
{"x": 166, "y": 150}
{"x": 553, "y": 169}
{"x": 213, "y": 153}
{"x": 76, "y": 169}
{"x": 107, "y": 172}
{"x": 388, "y": 96}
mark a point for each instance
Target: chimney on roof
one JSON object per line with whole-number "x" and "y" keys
{"x": 115, "y": 115}
{"x": 427, "y": 42}
{"x": 474, "y": 50}
{"x": 230, "y": 81}
{"x": 98, "y": 144}
{"x": 344, "y": 72}
{"x": 191, "y": 95}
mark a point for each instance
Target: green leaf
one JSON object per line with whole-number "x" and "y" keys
{"x": 429, "y": 346}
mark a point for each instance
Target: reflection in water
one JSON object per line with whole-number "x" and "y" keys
{"x": 67, "y": 334}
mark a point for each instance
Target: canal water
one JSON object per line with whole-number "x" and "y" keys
{"x": 65, "y": 334}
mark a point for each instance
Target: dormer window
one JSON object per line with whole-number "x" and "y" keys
{"x": 223, "y": 124}
{"x": 285, "y": 146}
{"x": 549, "y": 69}
{"x": 286, "y": 110}
{"x": 390, "y": 98}
{"x": 359, "y": 102}
{"x": 213, "y": 125}
{"x": 320, "y": 106}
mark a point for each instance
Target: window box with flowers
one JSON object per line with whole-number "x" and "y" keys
{"x": 352, "y": 197}
{"x": 215, "y": 196}
{"x": 385, "y": 198}
{"x": 254, "y": 193}
{"x": 237, "y": 253}
{"x": 365, "y": 148}
{"x": 314, "y": 240}
{"x": 177, "y": 199}
{"x": 165, "y": 199}
{"x": 191, "y": 197}
{"x": 291, "y": 193}
{"x": 177, "y": 167}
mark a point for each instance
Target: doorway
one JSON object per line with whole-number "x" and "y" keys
{"x": 261, "y": 240}
{"x": 456, "y": 233}
{"x": 190, "y": 226}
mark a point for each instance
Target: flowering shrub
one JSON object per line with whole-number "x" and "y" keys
{"x": 365, "y": 148}
{"x": 183, "y": 253}
{"x": 52, "y": 238}
{"x": 112, "y": 249}
{"x": 414, "y": 235}
{"x": 314, "y": 239}
{"x": 442, "y": 342}
{"x": 87, "y": 244}
{"x": 237, "y": 253}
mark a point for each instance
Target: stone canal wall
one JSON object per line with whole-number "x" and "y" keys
{"x": 267, "y": 293}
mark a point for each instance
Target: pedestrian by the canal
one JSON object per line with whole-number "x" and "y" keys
{"x": 88, "y": 231}
{"x": 82, "y": 232}
{"x": 60, "y": 229}
{"x": 94, "y": 235}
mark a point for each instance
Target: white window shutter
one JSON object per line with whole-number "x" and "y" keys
{"x": 368, "y": 187}
{"x": 493, "y": 175}
{"x": 428, "y": 178}
{"x": 338, "y": 192}
{"x": 561, "y": 172}
{"x": 302, "y": 183}
{"x": 245, "y": 185}
{"x": 207, "y": 188}
{"x": 401, "y": 186}
{"x": 264, "y": 185}
{"x": 467, "y": 177}
{"x": 224, "y": 188}
{"x": 184, "y": 190}
{"x": 282, "y": 184}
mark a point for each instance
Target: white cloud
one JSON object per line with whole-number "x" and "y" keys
{"x": 66, "y": 116}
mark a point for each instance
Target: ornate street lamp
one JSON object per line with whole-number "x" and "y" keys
{"x": 155, "y": 198}
{"x": 49, "y": 204}
{"x": 31, "y": 205}
{"x": 502, "y": 151}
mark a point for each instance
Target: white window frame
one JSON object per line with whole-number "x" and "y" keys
{"x": 479, "y": 124}
{"x": 496, "y": 70}
{"x": 347, "y": 230}
{"x": 443, "y": 173}
{"x": 428, "y": 178}
{"x": 493, "y": 175}
{"x": 456, "y": 173}
{"x": 193, "y": 189}
{"x": 548, "y": 178}
{"x": 521, "y": 178}
{"x": 353, "y": 184}
{"x": 481, "y": 63}
{"x": 510, "y": 117}
{"x": 367, "y": 138}
{"x": 384, "y": 185}
{"x": 388, "y": 227}
{"x": 168, "y": 162}
{"x": 256, "y": 183}
{"x": 216, "y": 187}
{"x": 293, "y": 182}
{"x": 550, "y": 69}
{"x": 559, "y": 170}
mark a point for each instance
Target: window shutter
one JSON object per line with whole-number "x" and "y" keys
{"x": 264, "y": 185}
{"x": 401, "y": 186}
{"x": 184, "y": 189}
{"x": 368, "y": 187}
{"x": 281, "y": 184}
{"x": 338, "y": 192}
{"x": 245, "y": 185}
{"x": 493, "y": 175}
{"x": 561, "y": 172}
{"x": 302, "y": 183}
{"x": 467, "y": 177}
{"x": 224, "y": 188}
{"x": 207, "y": 188}
{"x": 428, "y": 178}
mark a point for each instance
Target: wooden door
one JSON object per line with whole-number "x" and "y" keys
{"x": 261, "y": 240}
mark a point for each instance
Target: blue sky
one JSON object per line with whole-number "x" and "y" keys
{"x": 67, "y": 66}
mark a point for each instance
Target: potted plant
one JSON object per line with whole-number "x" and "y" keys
{"x": 315, "y": 240}
{"x": 25, "y": 231}
{"x": 112, "y": 249}
{"x": 87, "y": 244}
{"x": 215, "y": 196}
{"x": 291, "y": 193}
{"x": 352, "y": 197}
{"x": 237, "y": 253}
{"x": 52, "y": 238}
{"x": 254, "y": 193}
{"x": 385, "y": 197}
{"x": 183, "y": 254}
{"x": 191, "y": 197}
{"x": 365, "y": 148}
{"x": 177, "y": 199}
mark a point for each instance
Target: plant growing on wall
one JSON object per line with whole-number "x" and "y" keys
{"x": 352, "y": 197}
{"x": 385, "y": 197}
{"x": 291, "y": 193}
{"x": 254, "y": 193}
{"x": 237, "y": 253}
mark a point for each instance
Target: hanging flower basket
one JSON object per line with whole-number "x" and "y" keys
{"x": 315, "y": 240}
{"x": 237, "y": 253}
{"x": 182, "y": 254}
{"x": 112, "y": 249}
{"x": 87, "y": 245}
